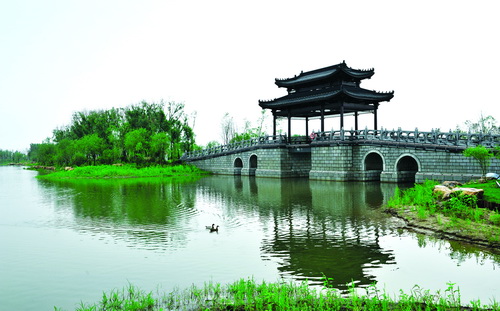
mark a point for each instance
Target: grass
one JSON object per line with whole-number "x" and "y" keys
{"x": 124, "y": 171}
{"x": 246, "y": 294}
{"x": 459, "y": 216}
{"x": 491, "y": 190}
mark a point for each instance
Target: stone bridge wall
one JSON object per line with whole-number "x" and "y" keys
{"x": 392, "y": 164}
{"x": 270, "y": 162}
{"x": 345, "y": 162}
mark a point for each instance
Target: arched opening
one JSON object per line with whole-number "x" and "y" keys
{"x": 252, "y": 165}
{"x": 374, "y": 165}
{"x": 238, "y": 165}
{"x": 407, "y": 168}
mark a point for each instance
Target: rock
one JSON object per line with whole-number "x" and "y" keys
{"x": 118, "y": 164}
{"x": 451, "y": 184}
{"x": 442, "y": 192}
{"x": 470, "y": 191}
{"x": 68, "y": 168}
{"x": 492, "y": 176}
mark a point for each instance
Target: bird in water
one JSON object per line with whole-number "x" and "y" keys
{"x": 216, "y": 229}
{"x": 210, "y": 227}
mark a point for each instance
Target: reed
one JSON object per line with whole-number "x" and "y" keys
{"x": 247, "y": 294}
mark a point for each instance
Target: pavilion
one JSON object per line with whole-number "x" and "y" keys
{"x": 329, "y": 91}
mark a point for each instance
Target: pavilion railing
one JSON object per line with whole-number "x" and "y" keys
{"x": 457, "y": 139}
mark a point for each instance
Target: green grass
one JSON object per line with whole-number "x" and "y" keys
{"x": 491, "y": 190}
{"x": 246, "y": 294}
{"x": 457, "y": 217}
{"x": 459, "y": 206}
{"x": 125, "y": 171}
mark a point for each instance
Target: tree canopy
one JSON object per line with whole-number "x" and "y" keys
{"x": 142, "y": 133}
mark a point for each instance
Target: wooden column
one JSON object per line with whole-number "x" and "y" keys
{"x": 322, "y": 118}
{"x": 342, "y": 116}
{"x": 289, "y": 126}
{"x": 274, "y": 122}
{"x": 375, "y": 116}
{"x": 356, "y": 121}
{"x": 307, "y": 126}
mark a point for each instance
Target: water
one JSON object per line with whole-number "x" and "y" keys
{"x": 66, "y": 242}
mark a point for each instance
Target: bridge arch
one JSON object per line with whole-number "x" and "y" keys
{"x": 252, "y": 164}
{"x": 407, "y": 166}
{"x": 373, "y": 165}
{"x": 238, "y": 166}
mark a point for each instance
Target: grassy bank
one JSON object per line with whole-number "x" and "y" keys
{"x": 458, "y": 218}
{"x": 250, "y": 295}
{"x": 122, "y": 171}
{"x": 491, "y": 190}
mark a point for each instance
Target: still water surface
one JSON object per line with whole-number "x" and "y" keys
{"x": 66, "y": 242}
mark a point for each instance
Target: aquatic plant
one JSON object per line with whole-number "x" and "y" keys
{"x": 247, "y": 294}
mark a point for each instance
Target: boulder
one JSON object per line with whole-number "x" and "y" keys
{"x": 470, "y": 191}
{"x": 68, "y": 168}
{"x": 442, "y": 192}
{"x": 451, "y": 184}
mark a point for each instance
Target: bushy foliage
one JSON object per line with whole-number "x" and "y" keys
{"x": 145, "y": 134}
{"x": 482, "y": 155}
{"x": 7, "y": 156}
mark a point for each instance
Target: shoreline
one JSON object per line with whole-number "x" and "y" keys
{"x": 443, "y": 227}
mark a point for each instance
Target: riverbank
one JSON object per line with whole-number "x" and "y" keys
{"x": 120, "y": 171}
{"x": 250, "y": 295}
{"x": 459, "y": 218}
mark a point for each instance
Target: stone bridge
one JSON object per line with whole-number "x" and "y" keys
{"x": 361, "y": 155}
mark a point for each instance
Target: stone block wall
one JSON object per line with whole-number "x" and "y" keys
{"x": 347, "y": 162}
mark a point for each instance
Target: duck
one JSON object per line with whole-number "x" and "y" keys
{"x": 210, "y": 227}
{"x": 216, "y": 229}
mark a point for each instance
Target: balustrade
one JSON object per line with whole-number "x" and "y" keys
{"x": 458, "y": 139}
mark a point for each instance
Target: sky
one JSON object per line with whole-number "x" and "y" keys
{"x": 57, "y": 57}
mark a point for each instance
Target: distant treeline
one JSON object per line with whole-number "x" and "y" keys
{"x": 144, "y": 133}
{"x": 7, "y": 156}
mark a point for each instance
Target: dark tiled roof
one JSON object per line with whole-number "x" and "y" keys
{"x": 327, "y": 73}
{"x": 332, "y": 94}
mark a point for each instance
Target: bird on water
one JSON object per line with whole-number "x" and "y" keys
{"x": 210, "y": 227}
{"x": 216, "y": 229}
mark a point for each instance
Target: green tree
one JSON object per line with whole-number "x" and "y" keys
{"x": 482, "y": 155}
{"x": 136, "y": 145}
{"x": 65, "y": 150}
{"x": 160, "y": 143}
{"x": 92, "y": 146}
{"x": 43, "y": 153}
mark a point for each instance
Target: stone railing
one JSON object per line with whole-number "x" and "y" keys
{"x": 458, "y": 139}
{"x": 237, "y": 146}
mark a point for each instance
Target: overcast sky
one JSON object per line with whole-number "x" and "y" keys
{"x": 441, "y": 58}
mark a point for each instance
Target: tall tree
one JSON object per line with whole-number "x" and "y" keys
{"x": 228, "y": 128}
{"x": 485, "y": 124}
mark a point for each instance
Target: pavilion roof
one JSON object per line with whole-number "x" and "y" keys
{"x": 336, "y": 72}
{"x": 306, "y": 104}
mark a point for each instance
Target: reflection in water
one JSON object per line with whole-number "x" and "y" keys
{"x": 154, "y": 229}
{"x": 146, "y": 212}
{"x": 316, "y": 229}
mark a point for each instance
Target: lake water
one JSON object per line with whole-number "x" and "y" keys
{"x": 66, "y": 242}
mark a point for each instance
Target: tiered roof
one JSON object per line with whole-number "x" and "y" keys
{"x": 334, "y": 89}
